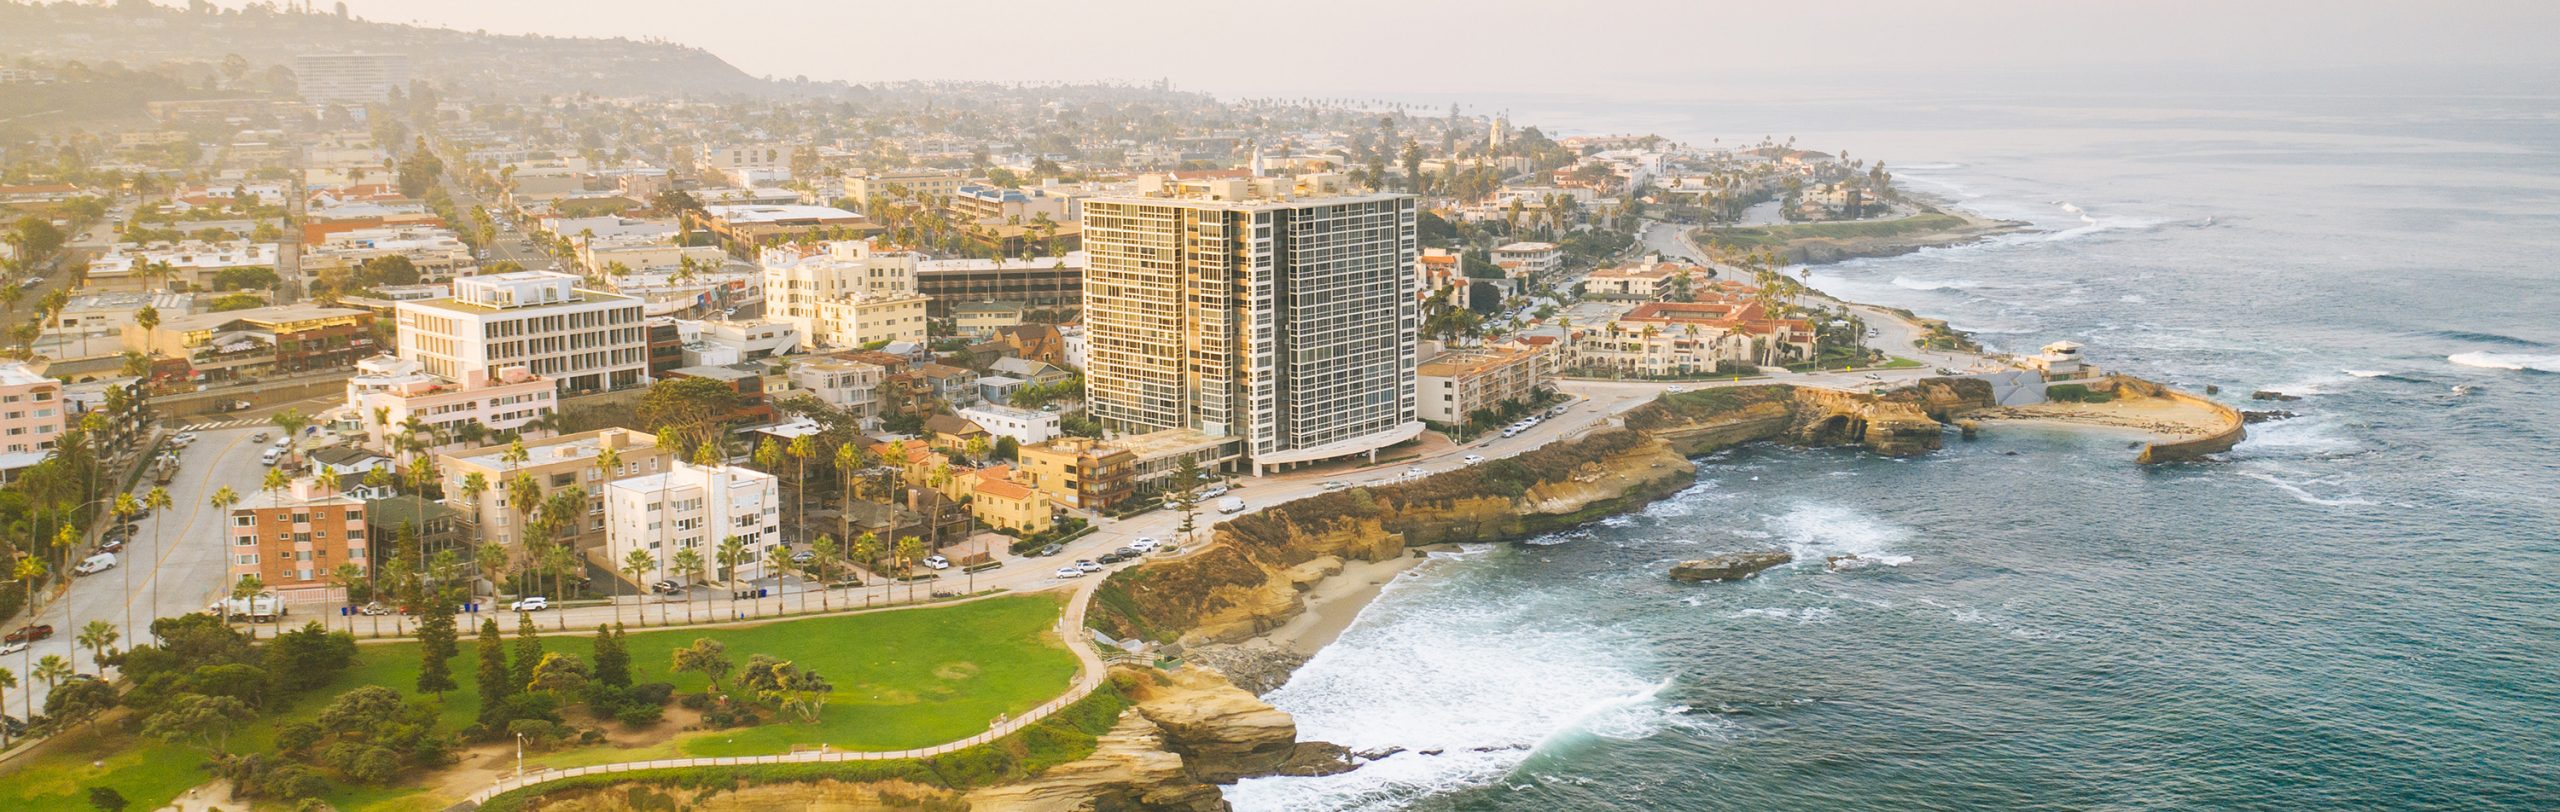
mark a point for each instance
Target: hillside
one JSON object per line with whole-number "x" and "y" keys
{"x": 460, "y": 63}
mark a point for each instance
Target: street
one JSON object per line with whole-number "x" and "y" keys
{"x": 176, "y": 563}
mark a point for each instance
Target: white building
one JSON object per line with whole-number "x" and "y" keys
{"x": 386, "y": 392}
{"x": 744, "y": 340}
{"x": 190, "y": 262}
{"x": 1530, "y": 259}
{"x": 695, "y": 507}
{"x": 1025, "y": 426}
{"x": 1279, "y": 313}
{"x": 349, "y": 78}
{"x": 845, "y": 294}
{"x": 585, "y": 340}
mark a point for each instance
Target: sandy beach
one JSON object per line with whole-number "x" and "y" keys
{"x": 1332, "y": 603}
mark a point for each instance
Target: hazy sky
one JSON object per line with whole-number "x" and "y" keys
{"x": 1392, "y": 46}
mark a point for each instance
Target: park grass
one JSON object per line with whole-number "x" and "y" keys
{"x": 904, "y": 678}
{"x": 1778, "y": 236}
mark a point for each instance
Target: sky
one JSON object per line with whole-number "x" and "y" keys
{"x": 1378, "y": 47}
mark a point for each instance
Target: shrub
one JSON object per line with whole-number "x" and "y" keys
{"x": 652, "y": 693}
{"x": 640, "y": 716}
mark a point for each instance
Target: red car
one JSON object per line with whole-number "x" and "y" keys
{"x": 26, "y": 633}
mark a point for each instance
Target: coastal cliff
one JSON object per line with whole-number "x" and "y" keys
{"x": 1250, "y": 576}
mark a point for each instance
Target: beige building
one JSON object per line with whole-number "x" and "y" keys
{"x": 556, "y": 464}
{"x": 1458, "y": 383}
{"x": 844, "y": 294}
{"x": 584, "y": 340}
{"x": 1278, "y": 312}
{"x": 853, "y": 386}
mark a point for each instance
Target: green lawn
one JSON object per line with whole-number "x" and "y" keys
{"x": 905, "y": 678}
{"x": 1749, "y": 237}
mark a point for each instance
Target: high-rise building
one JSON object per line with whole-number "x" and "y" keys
{"x": 585, "y": 340}
{"x": 1279, "y": 312}
{"x": 349, "y": 78}
{"x": 292, "y": 538}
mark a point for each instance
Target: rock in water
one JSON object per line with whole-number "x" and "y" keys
{"x": 1730, "y": 567}
{"x": 2270, "y": 394}
{"x": 2261, "y": 416}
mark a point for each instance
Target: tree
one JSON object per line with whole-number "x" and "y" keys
{"x": 8, "y": 681}
{"x": 205, "y": 721}
{"x": 707, "y": 657}
{"x": 496, "y": 679}
{"x": 612, "y": 658}
{"x": 528, "y": 650}
{"x": 867, "y": 548}
{"x": 693, "y": 408}
{"x": 733, "y": 555}
{"x": 824, "y": 564}
{"x": 688, "y": 561}
{"x": 437, "y": 643}
{"x": 637, "y": 566}
{"x": 53, "y": 670}
{"x": 560, "y": 674}
{"x": 99, "y": 637}
{"x": 107, "y": 799}
{"x": 910, "y": 551}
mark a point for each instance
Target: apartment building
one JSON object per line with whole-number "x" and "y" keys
{"x": 844, "y": 294}
{"x": 1529, "y": 259}
{"x": 698, "y": 508}
{"x": 1078, "y": 472}
{"x": 1025, "y": 426}
{"x": 916, "y": 185}
{"x": 291, "y": 538}
{"x": 747, "y": 226}
{"x": 437, "y": 253}
{"x": 1036, "y": 282}
{"x": 1007, "y": 505}
{"x": 555, "y": 464}
{"x": 32, "y": 414}
{"x": 1278, "y": 312}
{"x": 1459, "y": 383}
{"x": 282, "y": 339}
{"x": 186, "y": 263}
{"x": 583, "y": 340}
{"x": 349, "y": 79}
{"x": 386, "y": 393}
{"x": 853, "y": 386}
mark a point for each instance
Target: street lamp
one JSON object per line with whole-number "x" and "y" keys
{"x": 519, "y": 756}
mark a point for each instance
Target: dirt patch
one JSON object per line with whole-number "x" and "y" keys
{"x": 956, "y": 671}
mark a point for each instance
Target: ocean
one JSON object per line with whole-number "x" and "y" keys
{"x": 2356, "y": 609}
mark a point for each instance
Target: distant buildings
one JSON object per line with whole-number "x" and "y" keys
{"x": 1529, "y": 259}
{"x": 745, "y": 227}
{"x": 853, "y": 386}
{"x": 1239, "y": 308}
{"x": 283, "y": 339}
{"x": 1025, "y": 426}
{"x": 1079, "y": 472}
{"x": 845, "y": 294}
{"x": 698, "y": 508}
{"x": 1040, "y": 282}
{"x": 32, "y": 413}
{"x": 584, "y": 340}
{"x": 555, "y": 465}
{"x": 349, "y": 79}
{"x": 186, "y": 263}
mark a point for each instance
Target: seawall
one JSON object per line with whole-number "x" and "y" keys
{"x": 2234, "y": 430}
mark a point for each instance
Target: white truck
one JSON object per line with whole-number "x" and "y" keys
{"x": 95, "y": 564}
{"x": 1232, "y": 504}
{"x": 259, "y": 608}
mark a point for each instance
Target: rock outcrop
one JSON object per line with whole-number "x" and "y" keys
{"x": 1222, "y": 733}
{"x": 1729, "y": 567}
{"x": 1132, "y": 767}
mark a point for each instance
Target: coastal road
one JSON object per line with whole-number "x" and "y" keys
{"x": 176, "y": 562}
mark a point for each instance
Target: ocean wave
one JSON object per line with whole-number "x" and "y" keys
{"x": 2366, "y": 373}
{"x": 1908, "y": 283}
{"x": 2303, "y": 495}
{"x": 1813, "y": 532}
{"x": 1809, "y": 614}
{"x": 2484, "y": 338}
{"x": 2312, "y": 437}
{"x": 2517, "y": 362}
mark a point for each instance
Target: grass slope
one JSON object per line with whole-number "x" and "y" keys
{"x": 904, "y": 678}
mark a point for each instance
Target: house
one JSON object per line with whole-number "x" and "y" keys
{"x": 1034, "y": 372}
{"x": 387, "y": 394}
{"x": 983, "y": 319}
{"x": 33, "y": 412}
{"x": 1025, "y": 426}
{"x": 952, "y": 385}
{"x": 1007, "y": 505}
{"x": 953, "y": 432}
{"x": 350, "y": 464}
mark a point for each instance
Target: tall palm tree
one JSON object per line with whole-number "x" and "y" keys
{"x": 848, "y": 461}
{"x": 125, "y": 508}
{"x": 8, "y": 680}
{"x": 638, "y": 565}
{"x": 688, "y": 561}
{"x": 222, "y": 500}
{"x": 867, "y": 548}
{"x": 53, "y": 669}
{"x": 29, "y": 570}
{"x": 825, "y": 548}
{"x": 910, "y": 550}
{"x": 732, "y": 555}
{"x": 345, "y": 576}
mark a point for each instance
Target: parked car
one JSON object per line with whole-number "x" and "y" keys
{"x": 1049, "y": 550}
{"x": 666, "y": 587}
{"x": 259, "y": 437}
{"x": 1070, "y": 572}
{"x": 1088, "y": 565}
{"x": 183, "y": 439}
{"x": 374, "y": 609}
{"x": 111, "y": 544}
{"x": 30, "y": 633}
{"x": 1676, "y": 389}
{"x": 533, "y": 604}
{"x": 1143, "y": 545}
{"x": 1472, "y": 459}
{"x": 803, "y": 557}
{"x": 236, "y": 406}
{"x": 95, "y": 564}
{"x": 13, "y": 647}
{"x": 271, "y": 456}
{"x": 1112, "y": 557}
{"x": 936, "y": 561}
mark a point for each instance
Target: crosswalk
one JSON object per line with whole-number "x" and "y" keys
{"x": 228, "y": 424}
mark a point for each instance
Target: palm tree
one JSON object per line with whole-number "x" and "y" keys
{"x": 126, "y": 507}
{"x": 688, "y": 562}
{"x": 558, "y": 560}
{"x": 638, "y": 565}
{"x": 99, "y": 637}
{"x": 29, "y": 570}
{"x": 910, "y": 550}
{"x": 732, "y": 555}
{"x": 53, "y": 669}
{"x": 291, "y": 421}
{"x": 222, "y": 500}
{"x": 800, "y": 451}
{"x": 825, "y": 548}
{"x": 8, "y": 679}
{"x": 867, "y": 548}
{"x": 345, "y": 576}
{"x": 848, "y": 460}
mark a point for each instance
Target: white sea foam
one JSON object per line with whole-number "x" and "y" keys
{"x": 2507, "y": 360}
{"x": 1469, "y": 688}
{"x": 1813, "y": 532}
{"x": 2366, "y": 373}
{"x": 2304, "y": 495}
{"x": 1808, "y": 614}
{"x": 1908, "y": 283}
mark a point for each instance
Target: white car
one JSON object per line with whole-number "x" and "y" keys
{"x": 183, "y": 439}
{"x": 13, "y": 648}
{"x": 936, "y": 561}
{"x": 1416, "y": 471}
{"x": 1472, "y": 459}
{"x": 1070, "y": 572}
{"x": 533, "y": 604}
{"x": 1143, "y": 544}
{"x": 1336, "y": 485}
{"x": 1087, "y": 565}
{"x": 1676, "y": 389}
